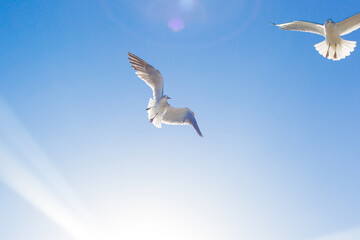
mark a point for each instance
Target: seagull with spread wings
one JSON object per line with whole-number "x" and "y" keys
{"x": 159, "y": 110}
{"x": 333, "y": 47}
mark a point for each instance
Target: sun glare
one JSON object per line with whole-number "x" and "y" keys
{"x": 158, "y": 221}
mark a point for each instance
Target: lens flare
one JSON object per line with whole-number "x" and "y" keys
{"x": 176, "y": 24}
{"x": 207, "y": 20}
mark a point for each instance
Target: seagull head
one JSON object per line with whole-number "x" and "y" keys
{"x": 166, "y": 97}
{"x": 328, "y": 22}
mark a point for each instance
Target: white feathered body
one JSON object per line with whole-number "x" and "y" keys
{"x": 332, "y": 35}
{"x": 159, "y": 111}
{"x": 156, "y": 110}
{"x": 163, "y": 112}
{"x": 334, "y": 47}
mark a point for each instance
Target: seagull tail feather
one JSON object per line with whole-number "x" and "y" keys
{"x": 335, "y": 51}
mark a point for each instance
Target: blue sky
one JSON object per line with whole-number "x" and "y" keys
{"x": 280, "y": 153}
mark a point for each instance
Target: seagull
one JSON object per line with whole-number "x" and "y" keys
{"x": 159, "y": 110}
{"x": 333, "y": 47}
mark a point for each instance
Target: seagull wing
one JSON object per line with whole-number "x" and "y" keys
{"x": 349, "y": 25}
{"x": 150, "y": 75}
{"x": 303, "y": 26}
{"x": 180, "y": 116}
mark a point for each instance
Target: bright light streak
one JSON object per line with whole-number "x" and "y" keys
{"x": 27, "y": 170}
{"x": 21, "y": 180}
{"x": 30, "y": 152}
